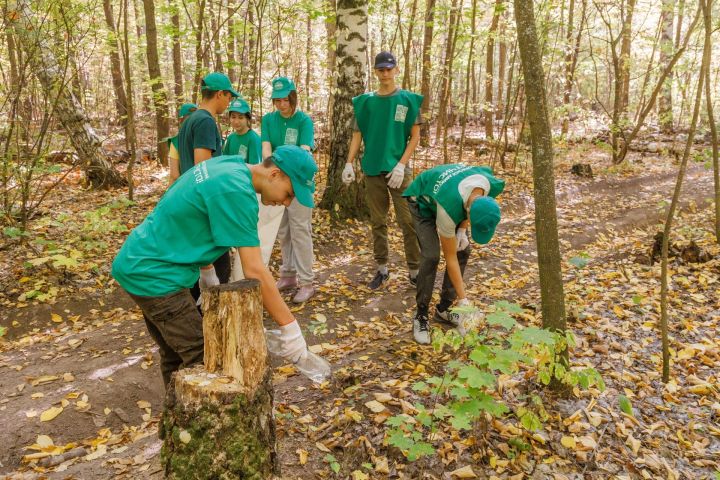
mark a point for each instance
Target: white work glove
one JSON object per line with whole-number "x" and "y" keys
{"x": 463, "y": 316}
{"x": 396, "y": 176}
{"x": 208, "y": 277}
{"x": 348, "y": 174}
{"x": 462, "y": 240}
{"x": 290, "y": 342}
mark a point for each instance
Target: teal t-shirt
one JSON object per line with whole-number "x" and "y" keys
{"x": 173, "y": 141}
{"x": 440, "y": 185}
{"x": 203, "y": 214}
{"x": 385, "y": 122}
{"x": 199, "y": 130}
{"x": 247, "y": 146}
{"x": 296, "y": 130}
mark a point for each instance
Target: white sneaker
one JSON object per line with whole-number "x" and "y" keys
{"x": 446, "y": 317}
{"x": 421, "y": 329}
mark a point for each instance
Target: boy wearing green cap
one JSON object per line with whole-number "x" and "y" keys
{"x": 289, "y": 126}
{"x": 243, "y": 141}
{"x": 199, "y": 139}
{"x": 205, "y": 213}
{"x": 173, "y": 154}
{"x": 444, "y": 201}
{"x": 387, "y": 121}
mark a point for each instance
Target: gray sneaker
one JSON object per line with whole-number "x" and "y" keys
{"x": 446, "y": 317}
{"x": 421, "y": 329}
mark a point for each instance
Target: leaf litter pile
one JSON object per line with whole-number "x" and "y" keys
{"x": 81, "y": 390}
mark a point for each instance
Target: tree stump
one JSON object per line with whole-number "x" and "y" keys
{"x": 218, "y": 421}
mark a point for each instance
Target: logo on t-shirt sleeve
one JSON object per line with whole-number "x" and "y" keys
{"x": 243, "y": 152}
{"x": 291, "y": 136}
{"x": 400, "y": 113}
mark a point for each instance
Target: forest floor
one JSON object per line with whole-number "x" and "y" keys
{"x": 77, "y": 367}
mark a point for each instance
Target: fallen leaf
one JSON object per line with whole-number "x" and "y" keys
{"x": 464, "y": 472}
{"x": 302, "y": 456}
{"x": 185, "y": 437}
{"x": 56, "y": 318}
{"x": 143, "y": 404}
{"x": 375, "y": 406}
{"x": 568, "y": 442}
{"x": 50, "y": 413}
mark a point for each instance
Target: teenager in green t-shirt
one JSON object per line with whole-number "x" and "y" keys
{"x": 387, "y": 121}
{"x": 206, "y": 212}
{"x": 289, "y": 126}
{"x": 243, "y": 141}
{"x": 444, "y": 201}
{"x": 199, "y": 140}
{"x": 173, "y": 154}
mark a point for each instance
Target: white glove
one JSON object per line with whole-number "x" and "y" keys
{"x": 292, "y": 346}
{"x": 348, "y": 174}
{"x": 396, "y": 176}
{"x": 462, "y": 240}
{"x": 463, "y": 320}
{"x": 208, "y": 277}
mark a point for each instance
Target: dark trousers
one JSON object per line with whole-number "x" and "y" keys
{"x": 175, "y": 324}
{"x": 429, "y": 241}
{"x": 222, "y": 270}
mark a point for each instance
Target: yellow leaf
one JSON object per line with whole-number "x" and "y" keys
{"x": 464, "y": 472}
{"x": 353, "y": 414}
{"x": 568, "y": 442}
{"x": 375, "y": 406}
{"x": 107, "y": 411}
{"x": 320, "y": 317}
{"x": 321, "y": 446}
{"x": 50, "y": 413}
{"x": 44, "y": 441}
{"x": 382, "y": 397}
{"x": 56, "y": 318}
{"x": 302, "y": 456}
{"x": 358, "y": 475}
{"x": 381, "y": 465}
{"x": 185, "y": 437}
{"x": 143, "y": 404}
{"x": 68, "y": 377}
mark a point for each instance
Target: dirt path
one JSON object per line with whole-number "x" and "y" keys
{"x": 107, "y": 355}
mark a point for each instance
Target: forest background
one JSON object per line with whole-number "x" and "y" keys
{"x": 89, "y": 92}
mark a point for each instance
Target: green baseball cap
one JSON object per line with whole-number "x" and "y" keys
{"x": 186, "y": 109}
{"x": 281, "y": 87}
{"x": 298, "y": 164}
{"x": 484, "y": 218}
{"x": 239, "y": 105}
{"x": 218, "y": 82}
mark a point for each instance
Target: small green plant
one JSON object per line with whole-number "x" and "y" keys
{"x": 334, "y": 464}
{"x": 468, "y": 391}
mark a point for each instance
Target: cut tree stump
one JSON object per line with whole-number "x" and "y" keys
{"x": 218, "y": 421}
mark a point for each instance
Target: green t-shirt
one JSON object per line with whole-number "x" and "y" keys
{"x": 440, "y": 185}
{"x": 296, "y": 130}
{"x": 173, "y": 141}
{"x": 247, "y": 146}
{"x": 199, "y": 130}
{"x": 203, "y": 214}
{"x": 385, "y": 122}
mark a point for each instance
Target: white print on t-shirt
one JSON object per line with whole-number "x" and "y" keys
{"x": 201, "y": 173}
{"x": 243, "y": 151}
{"x": 400, "y": 113}
{"x": 291, "y": 136}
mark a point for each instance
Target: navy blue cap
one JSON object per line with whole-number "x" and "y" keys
{"x": 385, "y": 60}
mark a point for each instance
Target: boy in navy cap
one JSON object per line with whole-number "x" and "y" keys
{"x": 387, "y": 121}
{"x": 444, "y": 201}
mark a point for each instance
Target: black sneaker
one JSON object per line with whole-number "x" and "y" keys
{"x": 421, "y": 328}
{"x": 378, "y": 280}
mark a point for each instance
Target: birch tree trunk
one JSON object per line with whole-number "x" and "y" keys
{"x": 351, "y": 61}
{"x": 176, "y": 53}
{"x": 546, "y": 232}
{"x": 115, "y": 69}
{"x": 162, "y": 120}
{"x": 489, "y": 69}
{"x": 98, "y": 170}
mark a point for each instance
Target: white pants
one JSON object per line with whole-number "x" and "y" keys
{"x": 295, "y": 236}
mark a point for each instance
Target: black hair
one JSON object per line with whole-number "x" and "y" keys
{"x": 207, "y": 94}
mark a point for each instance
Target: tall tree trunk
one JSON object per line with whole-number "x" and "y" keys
{"x": 408, "y": 45}
{"x": 502, "y": 62}
{"x": 473, "y": 14}
{"x": 426, "y": 69}
{"x": 176, "y": 52}
{"x": 308, "y": 56}
{"x": 571, "y": 56}
{"x": 352, "y": 34}
{"x": 330, "y": 27}
{"x": 130, "y": 133}
{"x": 230, "y": 41}
{"x": 625, "y": 61}
{"x": 704, "y": 66}
{"x": 99, "y": 172}
{"x": 714, "y": 137}
{"x": 162, "y": 120}
{"x": 198, "y": 50}
{"x": 115, "y": 69}
{"x": 665, "y": 113}
{"x": 490, "y": 68}
{"x": 213, "y": 34}
{"x": 546, "y": 232}
{"x": 442, "y": 123}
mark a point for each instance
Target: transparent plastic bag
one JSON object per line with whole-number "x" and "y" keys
{"x": 311, "y": 365}
{"x": 466, "y": 318}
